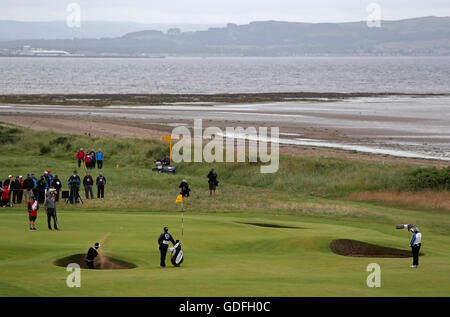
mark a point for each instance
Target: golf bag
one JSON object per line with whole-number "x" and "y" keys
{"x": 177, "y": 254}
{"x": 405, "y": 226}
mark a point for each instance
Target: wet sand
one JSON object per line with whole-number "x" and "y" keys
{"x": 403, "y": 126}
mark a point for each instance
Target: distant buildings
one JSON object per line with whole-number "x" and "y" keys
{"x": 27, "y": 50}
{"x": 30, "y": 51}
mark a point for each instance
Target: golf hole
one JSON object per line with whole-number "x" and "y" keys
{"x": 102, "y": 262}
{"x": 267, "y": 225}
{"x": 355, "y": 248}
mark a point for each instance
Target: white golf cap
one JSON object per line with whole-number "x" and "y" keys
{"x": 9, "y": 176}
{"x": 21, "y": 176}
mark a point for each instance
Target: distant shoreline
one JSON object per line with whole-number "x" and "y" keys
{"x": 100, "y": 100}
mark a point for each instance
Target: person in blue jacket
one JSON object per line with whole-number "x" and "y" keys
{"x": 99, "y": 158}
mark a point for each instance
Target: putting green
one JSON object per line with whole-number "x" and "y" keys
{"x": 225, "y": 255}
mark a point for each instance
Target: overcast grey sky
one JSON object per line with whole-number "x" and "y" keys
{"x": 220, "y": 11}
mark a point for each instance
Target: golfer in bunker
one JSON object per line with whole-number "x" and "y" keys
{"x": 163, "y": 242}
{"x": 91, "y": 255}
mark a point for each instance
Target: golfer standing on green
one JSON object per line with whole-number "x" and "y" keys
{"x": 163, "y": 242}
{"x": 415, "y": 244}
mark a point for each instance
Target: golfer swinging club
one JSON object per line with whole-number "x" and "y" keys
{"x": 91, "y": 255}
{"x": 163, "y": 242}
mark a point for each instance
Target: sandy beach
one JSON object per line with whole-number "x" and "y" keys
{"x": 403, "y": 127}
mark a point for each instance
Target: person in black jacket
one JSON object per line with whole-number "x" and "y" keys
{"x": 184, "y": 188}
{"x": 213, "y": 182}
{"x": 100, "y": 182}
{"x": 163, "y": 242}
{"x": 8, "y": 181}
{"x": 88, "y": 183}
{"x": 28, "y": 186}
{"x": 57, "y": 184}
{"x": 15, "y": 188}
{"x": 74, "y": 186}
{"x": 91, "y": 255}
{"x": 41, "y": 186}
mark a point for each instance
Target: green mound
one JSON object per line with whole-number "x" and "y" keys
{"x": 267, "y": 225}
{"x": 355, "y": 248}
{"x": 101, "y": 262}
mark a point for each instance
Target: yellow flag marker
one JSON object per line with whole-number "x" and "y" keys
{"x": 168, "y": 139}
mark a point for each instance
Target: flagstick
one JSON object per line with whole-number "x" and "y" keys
{"x": 182, "y": 219}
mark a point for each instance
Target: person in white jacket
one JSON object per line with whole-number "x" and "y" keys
{"x": 416, "y": 242}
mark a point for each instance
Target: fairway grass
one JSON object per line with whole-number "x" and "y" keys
{"x": 222, "y": 257}
{"x": 235, "y": 245}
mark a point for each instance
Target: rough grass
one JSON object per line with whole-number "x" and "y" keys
{"x": 303, "y": 185}
{"x": 236, "y": 259}
{"x": 424, "y": 199}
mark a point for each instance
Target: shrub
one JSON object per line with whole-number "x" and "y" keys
{"x": 59, "y": 140}
{"x": 68, "y": 147}
{"x": 429, "y": 178}
{"x": 45, "y": 149}
{"x": 8, "y": 135}
{"x": 158, "y": 151}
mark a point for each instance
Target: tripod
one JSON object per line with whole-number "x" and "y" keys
{"x": 74, "y": 196}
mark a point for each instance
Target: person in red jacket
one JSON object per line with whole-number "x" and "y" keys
{"x": 80, "y": 156}
{"x": 33, "y": 208}
{"x": 5, "y": 197}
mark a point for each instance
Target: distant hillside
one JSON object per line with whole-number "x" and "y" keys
{"x": 16, "y": 30}
{"x": 418, "y": 36}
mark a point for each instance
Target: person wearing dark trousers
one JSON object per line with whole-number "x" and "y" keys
{"x": 100, "y": 182}
{"x": 91, "y": 255}
{"x": 74, "y": 186}
{"x": 58, "y": 185}
{"x": 41, "y": 187}
{"x": 33, "y": 207}
{"x": 163, "y": 242}
{"x": 213, "y": 182}
{"x": 4, "y": 202}
{"x": 94, "y": 158}
{"x": 15, "y": 188}
{"x": 184, "y": 188}
{"x": 50, "y": 210}
{"x": 415, "y": 244}
{"x": 88, "y": 183}
{"x": 21, "y": 190}
{"x": 99, "y": 158}
{"x": 80, "y": 157}
{"x": 8, "y": 182}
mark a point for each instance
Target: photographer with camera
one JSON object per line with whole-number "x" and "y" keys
{"x": 74, "y": 186}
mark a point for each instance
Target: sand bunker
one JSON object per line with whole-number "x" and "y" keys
{"x": 348, "y": 247}
{"x": 267, "y": 225}
{"x": 101, "y": 262}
